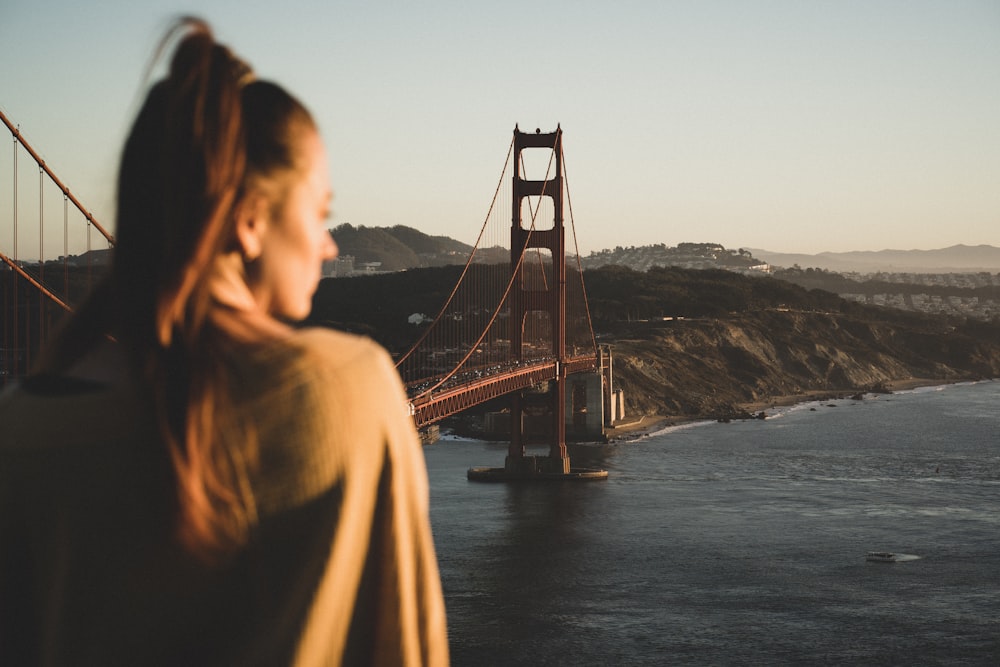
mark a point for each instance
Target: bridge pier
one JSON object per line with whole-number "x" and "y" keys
{"x": 535, "y": 465}
{"x": 536, "y": 468}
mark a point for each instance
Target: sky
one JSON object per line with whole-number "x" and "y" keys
{"x": 785, "y": 125}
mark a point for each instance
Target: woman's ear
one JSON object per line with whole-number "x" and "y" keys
{"x": 251, "y": 225}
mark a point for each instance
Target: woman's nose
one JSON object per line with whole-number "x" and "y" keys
{"x": 330, "y": 249}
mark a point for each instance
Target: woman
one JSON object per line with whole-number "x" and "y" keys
{"x": 188, "y": 479}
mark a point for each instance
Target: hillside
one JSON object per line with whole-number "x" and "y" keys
{"x": 375, "y": 246}
{"x": 713, "y": 367}
{"x": 398, "y": 248}
{"x": 732, "y": 339}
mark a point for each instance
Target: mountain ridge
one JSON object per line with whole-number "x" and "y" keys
{"x": 400, "y": 247}
{"x": 957, "y": 258}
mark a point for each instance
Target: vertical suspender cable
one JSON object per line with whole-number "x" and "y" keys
{"x": 579, "y": 263}
{"x": 17, "y": 301}
{"x": 41, "y": 254}
{"x": 90, "y": 259}
{"x": 7, "y": 303}
{"x": 15, "y": 131}
{"x": 65, "y": 247}
{"x": 468, "y": 264}
{"x": 3, "y": 350}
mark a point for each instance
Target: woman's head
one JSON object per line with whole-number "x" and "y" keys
{"x": 211, "y": 152}
{"x": 285, "y": 201}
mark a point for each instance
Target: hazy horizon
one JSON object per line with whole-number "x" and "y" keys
{"x": 796, "y": 127}
{"x": 959, "y": 247}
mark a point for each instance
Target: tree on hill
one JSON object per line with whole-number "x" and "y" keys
{"x": 398, "y": 248}
{"x": 618, "y": 293}
{"x": 375, "y": 244}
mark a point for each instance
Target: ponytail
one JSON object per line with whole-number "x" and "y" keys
{"x": 181, "y": 170}
{"x": 203, "y": 131}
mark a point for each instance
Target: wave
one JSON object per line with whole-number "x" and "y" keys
{"x": 674, "y": 429}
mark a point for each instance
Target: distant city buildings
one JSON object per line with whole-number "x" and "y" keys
{"x": 936, "y": 300}
{"x": 684, "y": 255}
{"x": 345, "y": 266}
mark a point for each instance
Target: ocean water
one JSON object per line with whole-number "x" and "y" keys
{"x": 740, "y": 543}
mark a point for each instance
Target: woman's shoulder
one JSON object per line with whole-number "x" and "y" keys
{"x": 312, "y": 366}
{"x": 333, "y": 365}
{"x": 328, "y": 350}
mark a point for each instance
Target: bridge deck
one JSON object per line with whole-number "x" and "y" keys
{"x": 430, "y": 407}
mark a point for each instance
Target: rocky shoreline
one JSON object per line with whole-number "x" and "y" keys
{"x": 642, "y": 426}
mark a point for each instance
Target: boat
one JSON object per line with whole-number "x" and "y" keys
{"x": 881, "y": 556}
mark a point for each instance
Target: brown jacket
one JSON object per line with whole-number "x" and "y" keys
{"x": 340, "y": 570}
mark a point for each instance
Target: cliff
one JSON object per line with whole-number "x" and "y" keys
{"x": 716, "y": 367}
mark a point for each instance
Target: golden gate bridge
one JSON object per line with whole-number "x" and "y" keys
{"x": 516, "y": 323}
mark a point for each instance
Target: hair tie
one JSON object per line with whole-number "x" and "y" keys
{"x": 244, "y": 75}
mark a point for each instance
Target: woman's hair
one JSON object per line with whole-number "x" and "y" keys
{"x": 203, "y": 135}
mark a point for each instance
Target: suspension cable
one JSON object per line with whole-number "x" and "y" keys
{"x": 576, "y": 247}
{"x": 15, "y": 265}
{"x": 468, "y": 262}
{"x": 55, "y": 179}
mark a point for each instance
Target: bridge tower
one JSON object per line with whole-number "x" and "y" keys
{"x": 527, "y": 298}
